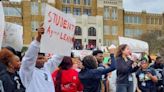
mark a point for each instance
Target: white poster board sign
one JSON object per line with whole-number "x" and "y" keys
{"x": 82, "y": 53}
{"x": 13, "y": 36}
{"x": 59, "y": 32}
{"x": 2, "y": 24}
{"x": 135, "y": 45}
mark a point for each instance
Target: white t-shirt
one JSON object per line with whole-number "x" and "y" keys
{"x": 34, "y": 79}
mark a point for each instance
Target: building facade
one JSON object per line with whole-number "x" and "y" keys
{"x": 99, "y": 22}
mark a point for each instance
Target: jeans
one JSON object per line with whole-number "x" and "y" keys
{"x": 124, "y": 87}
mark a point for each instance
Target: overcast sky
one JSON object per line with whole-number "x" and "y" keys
{"x": 152, "y": 6}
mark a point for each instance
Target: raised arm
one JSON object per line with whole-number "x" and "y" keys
{"x": 97, "y": 73}
{"x": 29, "y": 60}
{"x": 28, "y": 63}
{"x": 53, "y": 63}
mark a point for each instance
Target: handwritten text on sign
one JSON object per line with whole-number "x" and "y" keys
{"x": 59, "y": 32}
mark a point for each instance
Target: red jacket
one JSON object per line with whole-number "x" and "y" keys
{"x": 70, "y": 80}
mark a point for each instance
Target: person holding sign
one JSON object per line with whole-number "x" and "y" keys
{"x": 35, "y": 71}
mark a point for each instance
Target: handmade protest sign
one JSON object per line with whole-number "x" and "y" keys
{"x": 59, "y": 32}
{"x": 13, "y": 36}
{"x": 134, "y": 44}
{"x": 2, "y": 24}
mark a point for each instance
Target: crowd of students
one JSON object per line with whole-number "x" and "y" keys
{"x": 34, "y": 72}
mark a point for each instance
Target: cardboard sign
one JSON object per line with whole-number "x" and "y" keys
{"x": 82, "y": 53}
{"x": 2, "y": 24}
{"x": 112, "y": 47}
{"x": 13, "y": 36}
{"x": 103, "y": 48}
{"x": 59, "y": 32}
{"x": 135, "y": 45}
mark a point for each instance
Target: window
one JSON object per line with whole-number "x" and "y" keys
{"x": 133, "y": 32}
{"x": 34, "y": 25}
{"x": 156, "y": 21}
{"x": 126, "y": 19}
{"x": 78, "y": 31}
{"x": 77, "y": 11}
{"x": 114, "y": 13}
{"x": 78, "y": 44}
{"x": 128, "y": 33}
{"x": 106, "y": 13}
{"x": 139, "y": 20}
{"x": 148, "y": 20}
{"x": 66, "y": 1}
{"x": 137, "y": 33}
{"x": 91, "y": 31}
{"x": 152, "y": 20}
{"x": 76, "y": 1}
{"x": 106, "y": 30}
{"x": 135, "y": 20}
{"x": 107, "y": 42}
{"x": 43, "y": 8}
{"x": 132, "y": 19}
{"x": 87, "y": 2}
{"x": 10, "y": 11}
{"x": 66, "y": 9}
{"x": 87, "y": 12}
{"x": 114, "y": 30}
{"x": 34, "y": 8}
{"x": 160, "y": 21}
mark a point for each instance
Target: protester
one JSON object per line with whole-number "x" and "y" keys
{"x": 77, "y": 64}
{"x": 146, "y": 77}
{"x": 17, "y": 53}
{"x": 3, "y": 80}
{"x": 90, "y": 76}
{"x": 125, "y": 66}
{"x": 65, "y": 78}
{"x": 99, "y": 56}
{"x": 35, "y": 71}
{"x": 9, "y": 76}
{"x": 158, "y": 66}
{"x": 163, "y": 77}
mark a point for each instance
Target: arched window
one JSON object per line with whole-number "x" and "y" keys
{"x": 91, "y": 31}
{"x": 78, "y": 31}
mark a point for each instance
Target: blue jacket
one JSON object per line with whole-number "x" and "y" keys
{"x": 91, "y": 78}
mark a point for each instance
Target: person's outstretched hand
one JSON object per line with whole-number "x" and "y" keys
{"x": 40, "y": 31}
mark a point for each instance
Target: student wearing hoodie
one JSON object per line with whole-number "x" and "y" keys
{"x": 35, "y": 71}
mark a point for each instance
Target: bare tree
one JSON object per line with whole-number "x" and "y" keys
{"x": 155, "y": 41}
